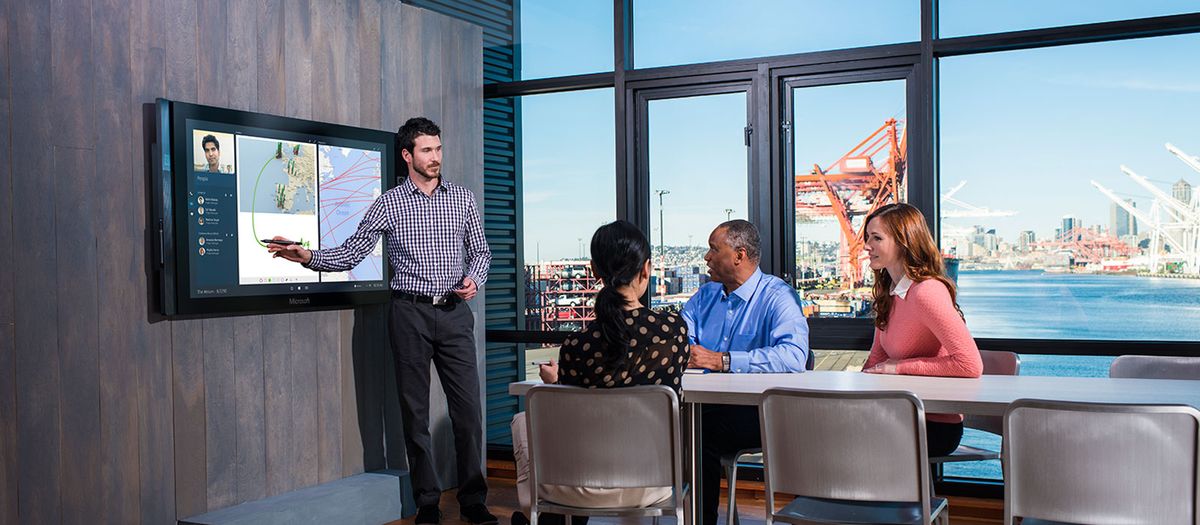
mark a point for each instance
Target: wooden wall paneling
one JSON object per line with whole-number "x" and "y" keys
{"x": 150, "y": 335}
{"x": 392, "y": 92}
{"x": 277, "y": 384}
{"x": 119, "y": 305}
{"x": 251, "y": 426}
{"x": 250, "y": 435}
{"x": 75, "y": 227}
{"x": 271, "y": 87}
{"x": 369, "y": 47}
{"x": 220, "y": 413}
{"x": 37, "y": 360}
{"x": 329, "y": 398}
{"x": 8, "y": 390}
{"x": 191, "y": 467}
{"x": 241, "y": 54}
{"x": 71, "y": 37}
{"x": 181, "y": 41}
{"x": 304, "y": 399}
{"x": 75, "y": 241}
{"x": 79, "y": 394}
{"x": 75, "y": 171}
{"x": 212, "y": 61}
{"x": 297, "y": 57}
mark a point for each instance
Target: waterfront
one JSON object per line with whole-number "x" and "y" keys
{"x": 1038, "y": 305}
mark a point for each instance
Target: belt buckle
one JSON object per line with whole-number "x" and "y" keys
{"x": 440, "y": 300}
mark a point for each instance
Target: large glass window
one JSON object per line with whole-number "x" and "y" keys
{"x": 1066, "y": 176}
{"x": 565, "y": 38}
{"x": 568, "y": 189}
{"x": 850, "y": 158}
{"x": 672, "y": 32}
{"x": 975, "y": 17}
{"x": 698, "y": 179}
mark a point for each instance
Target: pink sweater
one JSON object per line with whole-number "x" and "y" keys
{"x": 926, "y": 334}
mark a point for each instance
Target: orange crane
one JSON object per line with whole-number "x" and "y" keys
{"x": 866, "y": 178}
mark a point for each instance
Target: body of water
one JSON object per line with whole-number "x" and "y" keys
{"x": 1037, "y": 305}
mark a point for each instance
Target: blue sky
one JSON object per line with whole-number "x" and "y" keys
{"x": 1026, "y": 130}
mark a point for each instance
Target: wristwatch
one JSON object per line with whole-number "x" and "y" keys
{"x": 725, "y": 362}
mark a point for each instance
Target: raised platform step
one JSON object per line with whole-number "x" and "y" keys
{"x": 370, "y": 499}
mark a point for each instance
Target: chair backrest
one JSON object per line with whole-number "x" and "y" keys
{"x": 604, "y": 438}
{"x": 864, "y": 446}
{"x": 1155, "y": 367}
{"x": 1000, "y": 363}
{"x": 1101, "y": 464}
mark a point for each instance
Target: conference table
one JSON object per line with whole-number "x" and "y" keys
{"x": 987, "y": 395}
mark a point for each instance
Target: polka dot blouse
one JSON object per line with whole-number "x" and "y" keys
{"x": 657, "y": 354}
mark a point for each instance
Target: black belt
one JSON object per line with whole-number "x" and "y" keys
{"x": 448, "y": 298}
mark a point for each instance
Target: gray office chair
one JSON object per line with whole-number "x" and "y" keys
{"x": 605, "y": 438}
{"x": 994, "y": 363}
{"x": 1155, "y": 367}
{"x": 750, "y": 457}
{"x": 848, "y": 457}
{"x": 1101, "y": 464}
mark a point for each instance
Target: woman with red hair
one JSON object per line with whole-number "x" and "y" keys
{"x": 919, "y": 328}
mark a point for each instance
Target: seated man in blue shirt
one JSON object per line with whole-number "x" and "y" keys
{"x": 744, "y": 321}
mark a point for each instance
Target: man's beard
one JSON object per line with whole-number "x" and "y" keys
{"x": 424, "y": 171}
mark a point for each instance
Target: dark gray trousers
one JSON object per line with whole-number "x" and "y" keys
{"x": 421, "y": 333}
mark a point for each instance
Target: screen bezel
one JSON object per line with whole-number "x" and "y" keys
{"x": 174, "y": 258}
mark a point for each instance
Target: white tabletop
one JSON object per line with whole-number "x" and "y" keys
{"x": 987, "y": 395}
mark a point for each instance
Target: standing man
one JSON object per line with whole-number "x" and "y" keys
{"x": 743, "y": 321}
{"x": 439, "y": 259}
{"x": 212, "y": 153}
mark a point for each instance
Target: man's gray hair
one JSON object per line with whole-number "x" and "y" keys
{"x": 741, "y": 234}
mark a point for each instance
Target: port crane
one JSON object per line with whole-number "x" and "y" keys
{"x": 866, "y": 178}
{"x": 1174, "y": 224}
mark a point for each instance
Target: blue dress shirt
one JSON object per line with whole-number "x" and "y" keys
{"x": 760, "y": 324}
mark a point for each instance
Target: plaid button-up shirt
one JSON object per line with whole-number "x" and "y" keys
{"x": 432, "y": 240}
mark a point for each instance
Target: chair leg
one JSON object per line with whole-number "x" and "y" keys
{"x": 944, "y": 517}
{"x": 731, "y": 513}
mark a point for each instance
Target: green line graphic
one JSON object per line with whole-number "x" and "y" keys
{"x": 254, "y": 199}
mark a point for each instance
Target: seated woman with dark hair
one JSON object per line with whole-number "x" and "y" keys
{"x": 919, "y": 329}
{"x": 627, "y": 345}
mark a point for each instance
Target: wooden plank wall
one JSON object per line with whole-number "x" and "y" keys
{"x": 110, "y": 413}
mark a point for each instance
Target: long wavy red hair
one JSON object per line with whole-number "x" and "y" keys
{"x": 922, "y": 259}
